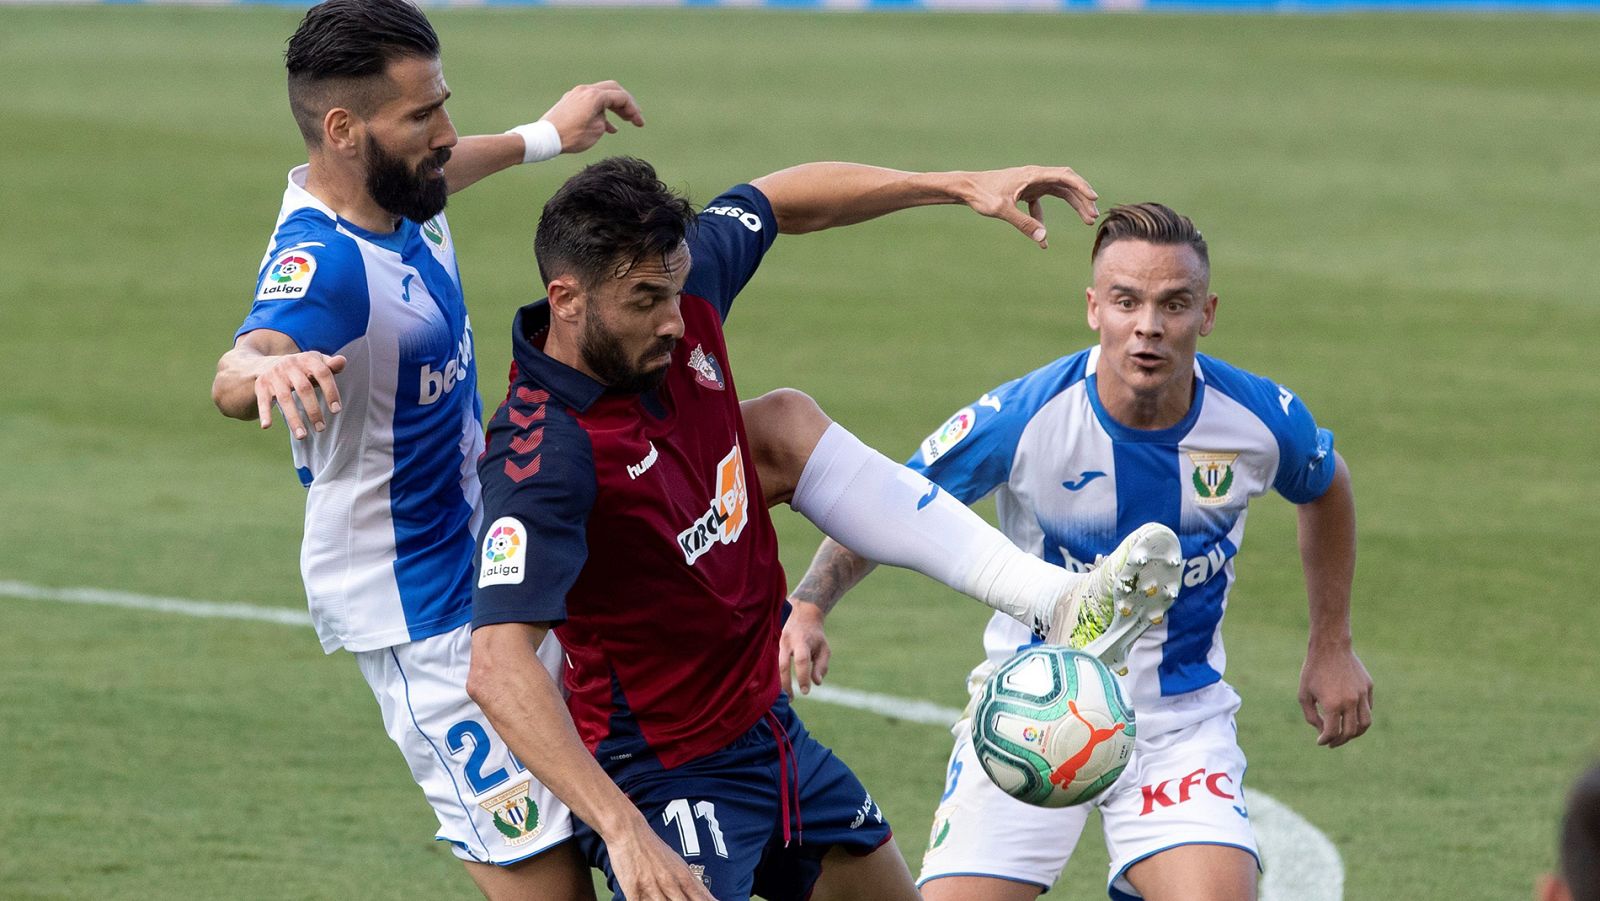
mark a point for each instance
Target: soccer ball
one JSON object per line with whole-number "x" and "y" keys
{"x": 1051, "y": 727}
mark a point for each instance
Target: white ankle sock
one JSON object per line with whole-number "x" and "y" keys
{"x": 889, "y": 514}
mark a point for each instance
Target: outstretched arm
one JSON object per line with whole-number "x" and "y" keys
{"x": 1335, "y": 689}
{"x": 579, "y": 120}
{"x": 510, "y": 683}
{"x": 816, "y": 196}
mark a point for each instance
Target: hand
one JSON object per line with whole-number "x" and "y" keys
{"x": 648, "y": 870}
{"x": 580, "y": 115}
{"x": 806, "y": 644}
{"x": 292, "y": 376}
{"x": 1336, "y": 695}
{"x": 997, "y": 192}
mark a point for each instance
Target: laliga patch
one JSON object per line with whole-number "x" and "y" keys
{"x": 504, "y": 560}
{"x": 949, "y": 435}
{"x": 288, "y": 275}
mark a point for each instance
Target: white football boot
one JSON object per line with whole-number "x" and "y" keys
{"x": 1129, "y": 591}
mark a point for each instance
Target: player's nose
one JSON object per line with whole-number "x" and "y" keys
{"x": 1149, "y": 324}
{"x": 447, "y": 136}
{"x": 671, "y": 325}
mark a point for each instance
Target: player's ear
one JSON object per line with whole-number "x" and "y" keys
{"x": 1210, "y": 312}
{"x": 341, "y": 131}
{"x": 567, "y": 299}
{"x": 1091, "y": 312}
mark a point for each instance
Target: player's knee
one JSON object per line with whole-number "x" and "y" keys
{"x": 788, "y": 409}
{"x": 783, "y": 427}
{"x": 784, "y": 424}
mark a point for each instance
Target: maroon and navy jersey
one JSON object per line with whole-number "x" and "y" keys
{"x": 637, "y": 524}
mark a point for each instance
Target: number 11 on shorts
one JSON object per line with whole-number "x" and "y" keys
{"x": 679, "y": 813}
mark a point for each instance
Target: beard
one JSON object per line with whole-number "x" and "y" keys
{"x": 412, "y": 193}
{"x": 603, "y": 354}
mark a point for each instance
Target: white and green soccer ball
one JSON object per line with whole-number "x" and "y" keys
{"x": 1052, "y": 728}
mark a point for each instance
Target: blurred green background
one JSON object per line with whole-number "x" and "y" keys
{"x": 1401, "y": 211}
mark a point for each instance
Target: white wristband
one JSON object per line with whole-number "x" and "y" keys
{"x": 540, "y": 141}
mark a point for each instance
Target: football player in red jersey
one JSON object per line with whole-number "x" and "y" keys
{"x": 624, "y": 505}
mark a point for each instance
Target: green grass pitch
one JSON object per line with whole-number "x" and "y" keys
{"x": 1402, "y": 216}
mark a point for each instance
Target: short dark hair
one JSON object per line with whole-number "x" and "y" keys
{"x": 607, "y": 218}
{"x": 338, "y": 56}
{"x": 1151, "y": 222}
{"x": 1580, "y": 838}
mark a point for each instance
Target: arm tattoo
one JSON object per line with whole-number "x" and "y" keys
{"x": 833, "y": 571}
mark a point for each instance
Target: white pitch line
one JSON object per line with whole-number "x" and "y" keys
{"x": 907, "y": 709}
{"x": 209, "y": 609}
{"x": 1301, "y": 863}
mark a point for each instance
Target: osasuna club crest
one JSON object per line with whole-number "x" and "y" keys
{"x": 515, "y": 816}
{"x": 1213, "y": 477}
{"x": 707, "y": 371}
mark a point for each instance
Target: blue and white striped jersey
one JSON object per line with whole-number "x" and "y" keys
{"x": 393, "y": 496}
{"x": 1071, "y": 482}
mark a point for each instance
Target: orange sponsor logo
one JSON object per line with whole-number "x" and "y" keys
{"x": 729, "y": 511}
{"x": 1068, "y": 771}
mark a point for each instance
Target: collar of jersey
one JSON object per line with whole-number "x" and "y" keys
{"x": 568, "y": 385}
{"x": 1128, "y": 434}
{"x": 298, "y": 198}
{"x": 392, "y": 241}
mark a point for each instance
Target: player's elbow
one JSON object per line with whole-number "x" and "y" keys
{"x": 233, "y": 399}
{"x": 224, "y": 401}
{"x": 486, "y": 675}
{"x": 481, "y": 681}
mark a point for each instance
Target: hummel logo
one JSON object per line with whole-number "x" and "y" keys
{"x": 405, "y": 288}
{"x": 1085, "y": 479}
{"x": 933, "y": 492}
{"x": 638, "y": 469}
{"x": 989, "y": 400}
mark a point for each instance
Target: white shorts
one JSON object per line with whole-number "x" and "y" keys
{"x": 490, "y": 810}
{"x": 1181, "y": 788}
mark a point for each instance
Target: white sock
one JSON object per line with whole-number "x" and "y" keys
{"x": 889, "y": 514}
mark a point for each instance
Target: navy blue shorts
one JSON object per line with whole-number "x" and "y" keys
{"x": 756, "y": 816}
